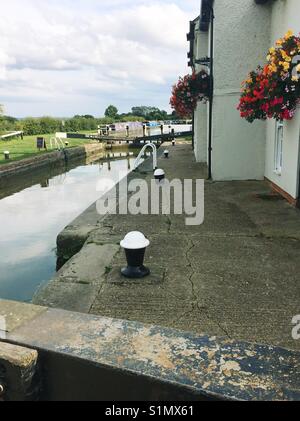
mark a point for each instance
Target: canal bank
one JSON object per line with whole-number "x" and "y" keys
{"x": 236, "y": 275}
{"x": 29, "y": 165}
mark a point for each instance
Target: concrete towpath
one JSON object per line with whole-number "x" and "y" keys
{"x": 236, "y": 275}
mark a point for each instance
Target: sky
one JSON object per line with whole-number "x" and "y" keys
{"x": 67, "y": 57}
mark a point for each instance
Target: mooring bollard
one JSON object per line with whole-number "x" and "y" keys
{"x": 159, "y": 174}
{"x": 162, "y": 129}
{"x": 173, "y": 142}
{"x": 127, "y": 131}
{"x": 6, "y": 155}
{"x": 66, "y": 143}
{"x": 144, "y": 130}
{"x": 166, "y": 154}
{"x": 135, "y": 244}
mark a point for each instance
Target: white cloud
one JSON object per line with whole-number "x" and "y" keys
{"x": 80, "y": 54}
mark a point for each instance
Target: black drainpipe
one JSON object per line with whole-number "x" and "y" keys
{"x": 210, "y": 127}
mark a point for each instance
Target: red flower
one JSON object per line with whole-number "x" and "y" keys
{"x": 269, "y": 92}
{"x": 188, "y": 91}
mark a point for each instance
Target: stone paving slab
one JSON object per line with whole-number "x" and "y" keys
{"x": 237, "y": 275}
{"x": 67, "y": 295}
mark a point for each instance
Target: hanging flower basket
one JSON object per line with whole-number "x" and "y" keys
{"x": 188, "y": 91}
{"x": 274, "y": 90}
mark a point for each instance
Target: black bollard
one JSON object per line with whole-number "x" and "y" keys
{"x": 135, "y": 244}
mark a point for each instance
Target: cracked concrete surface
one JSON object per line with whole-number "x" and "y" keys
{"x": 237, "y": 275}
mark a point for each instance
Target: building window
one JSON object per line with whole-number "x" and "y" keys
{"x": 278, "y": 147}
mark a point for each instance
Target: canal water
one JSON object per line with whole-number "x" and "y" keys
{"x": 33, "y": 214}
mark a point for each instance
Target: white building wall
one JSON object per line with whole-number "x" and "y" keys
{"x": 285, "y": 16}
{"x": 238, "y": 150}
{"x": 242, "y": 38}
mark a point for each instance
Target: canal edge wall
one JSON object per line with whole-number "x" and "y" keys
{"x": 38, "y": 162}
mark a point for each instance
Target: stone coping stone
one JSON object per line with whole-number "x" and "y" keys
{"x": 14, "y": 314}
{"x": 17, "y": 356}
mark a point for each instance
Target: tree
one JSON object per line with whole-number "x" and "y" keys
{"x": 111, "y": 112}
{"x": 142, "y": 111}
{"x": 1, "y": 119}
{"x": 31, "y": 126}
{"x": 150, "y": 113}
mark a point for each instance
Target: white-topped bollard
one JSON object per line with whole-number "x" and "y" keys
{"x": 159, "y": 174}
{"x": 66, "y": 143}
{"x": 135, "y": 244}
{"x": 6, "y": 155}
{"x": 166, "y": 154}
{"x": 173, "y": 142}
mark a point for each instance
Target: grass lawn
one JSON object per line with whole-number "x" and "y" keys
{"x": 20, "y": 149}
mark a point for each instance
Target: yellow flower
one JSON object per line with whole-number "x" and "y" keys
{"x": 279, "y": 42}
{"x": 298, "y": 68}
{"x": 272, "y": 50}
{"x": 285, "y": 56}
{"x": 285, "y": 65}
{"x": 295, "y": 78}
{"x": 289, "y": 34}
{"x": 273, "y": 68}
{"x": 268, "y": 57}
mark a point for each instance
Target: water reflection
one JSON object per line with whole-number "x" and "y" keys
{"x": 32, "y": 217}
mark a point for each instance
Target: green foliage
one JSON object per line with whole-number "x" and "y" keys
{"x": 49, "y": 125}
{"x": 130, "y": 117}
{"x": 84, "y": 116}
{"x": 45, "y": 125}
{"x": 111, "y": 112}
{"x": 150, "y": 113}
{"x": 79, "y": 123}
{"x": 8, "y": 124}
